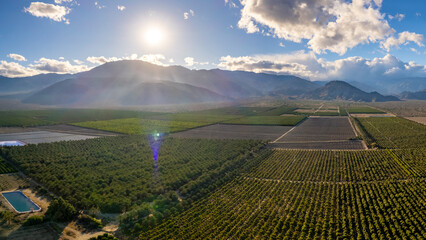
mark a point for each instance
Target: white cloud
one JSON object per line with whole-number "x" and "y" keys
{"x": 186, "y": 15}
{"x": 281, "y": 44}
{"x": 61, "y": 58}
{"x": 189, "y": 61}
{"x": 102, "y": 59}
{"x": 307, "y": 65}
{"x": 151, "y": 58}
{"x": 397, "y": 16}
{"x": 230, "y": 3}
{"x": 403, "y": 39}
{"x": 17, "y": 57}
{"x": 121, "y": 8}
{"x": 78, "y": 61}
{"x": 328, "y": 24}
{"x": 12, "y": 69}
{"x": 45, "y": 65}
{"x": 54, "y": 12}
{"x": 62, "y": 1}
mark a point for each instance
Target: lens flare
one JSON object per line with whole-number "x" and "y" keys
{"x": 155, "y": 140}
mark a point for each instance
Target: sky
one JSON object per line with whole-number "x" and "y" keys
{"x": 314, "y": 39}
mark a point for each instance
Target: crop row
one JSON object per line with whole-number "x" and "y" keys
{"x": 6, "y": 168}
{"x": 339, "y": 166}
{"x": 393, "y": 132}
{"x": 255, "y": 209}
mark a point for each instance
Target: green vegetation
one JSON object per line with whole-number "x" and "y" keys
{"x": 297, "y": 194}
{"x": 34, "y": 220}
{"x": 194, "y": 117}
{"x": 246, "y": 111}
{"x": 117, "y": 174}
{"x": 366, "y": 110}
{"x": 278, "y": 111}
{"x": 7, "y": 217}
{"x": 392, "y": 132}
{"x": 57, "y": 116}
{"x": 268, "y": 120}
{"x": 5, "y": 168}
{"x": 140, "y": 126}
{"x": 326, "y": 114}
{"x": 90, "y": 222}
{"x": 60, "y": 210}
{"x": 104, "y": 236}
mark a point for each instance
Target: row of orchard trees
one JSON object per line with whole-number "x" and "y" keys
{"x": 116, "y": 174}
{"x": 253, "y": 208}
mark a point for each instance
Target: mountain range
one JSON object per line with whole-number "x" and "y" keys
{"x": 133, "y": 82}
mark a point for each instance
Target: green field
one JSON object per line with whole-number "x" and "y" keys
{"x": 194, "y": 117}
{"x": 267, "y": 120}
{"x": 366, "y": 110}
{"x": 140, "y": 126}
{"x": 309, "y": 195}
{"x": 392, "y": 132}
{"x": 278, "y": 111}
{"x": 5, "y": 168}
{"x": 118, "y": 174}
{"x": 58, "y": 116}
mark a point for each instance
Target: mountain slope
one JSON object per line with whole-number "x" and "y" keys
{"x": 420, "y": 95}
{"x": 93, "y": 91}
{"x": 131, "y": 82}
{"x": 339, "y": 90}
{"x": 22, "y": 85}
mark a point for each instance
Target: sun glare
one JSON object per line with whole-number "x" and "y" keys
{"x": 154, "y": 36}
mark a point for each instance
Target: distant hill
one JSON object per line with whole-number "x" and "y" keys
{"x": 23, "y": 85}
{"x": 420, "y": 95}
{"x": 340, "y": 90}
{"x": 133, "y": 82}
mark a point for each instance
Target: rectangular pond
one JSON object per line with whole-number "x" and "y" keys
{"x": 11, "y": 143}
{"x": 20, "y": 202}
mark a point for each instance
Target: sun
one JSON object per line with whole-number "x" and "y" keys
{"x": 154, "y": 36}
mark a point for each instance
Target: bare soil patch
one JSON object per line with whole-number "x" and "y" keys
{"x": 421, "y": 120}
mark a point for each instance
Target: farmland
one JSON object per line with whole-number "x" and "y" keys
{"x": 268, "y": 120}
{"x": 140, "y": 126}
{"x": 231, "y": 131}
{"x": 217, "y": 177}
{"x": 116, "y": 173}
{"x": 5, "y": 168}
{"x": 393, "y": 132}
{"x": 280, "y": 202}
{"x": 57, "y": 116}
{"x": 320, "y": 133}
{"x": 367, "y": 110}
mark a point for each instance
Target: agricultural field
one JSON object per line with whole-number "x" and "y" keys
{"x": 366, "y": 110}
{"x": 392, "y": 132}
{"x": 230, "y": 131}
{"x": 57, "y": 116}
{"x": 292, "y": 195}
{"x": 320, "y": 133}
{"x": 5, "y": 168}
{"x": 279, "y": 111}
{"x": 267, "y": 120}
{"x": 36, "y": 137}
{"x": 116, "y": 174}
{"x": 140, "y": 126}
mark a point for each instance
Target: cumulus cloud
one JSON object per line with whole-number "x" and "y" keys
{"x": 16, "y": 57}
{"x": 307, "y": 65}
{"x": 189, "y": 61}
{"x": 45, "y": 65}
{"x": 186, "y": 15}
{"x": 333, "y": 25}
{"x": 121, "y": 8}
{"x": 157, "y": 59}
{"x": 63, "y": 1}
{"x": 12, "y": 69}
{"x": 230, "y": 3}
{"x": 99, "y": 6}
{"x": 55, "y": 12}
{"x": 403, "y": 39}
{"x": 397, "y": 16}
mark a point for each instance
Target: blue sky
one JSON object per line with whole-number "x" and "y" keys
{"x": 382, "y": 38}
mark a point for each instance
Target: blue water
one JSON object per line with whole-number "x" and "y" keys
{"x": 20, "y": 202}
{"x": 11, "y": 143}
